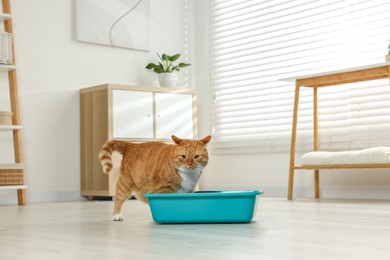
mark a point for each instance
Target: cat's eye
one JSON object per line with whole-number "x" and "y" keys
{"x": 196, "y": 156}
{"x": 184, "y": 157}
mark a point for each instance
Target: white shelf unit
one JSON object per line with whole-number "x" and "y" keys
{"x": 13, "y": 187}
{"x": 5, "y": 68}
{"x": 4, "y": 128}
{"x": 5, "y": 17}
{"x": 12, "y": 174}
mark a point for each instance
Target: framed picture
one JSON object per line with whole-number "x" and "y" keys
{"x": 117, "y": 23}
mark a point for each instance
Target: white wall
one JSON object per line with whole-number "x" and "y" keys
{"x": 265, "y": 171}
{"x": 53, "y": 66}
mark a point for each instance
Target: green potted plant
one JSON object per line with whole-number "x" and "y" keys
{"x": 166, "y": 69}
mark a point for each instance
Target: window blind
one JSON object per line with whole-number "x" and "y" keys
{"x": 254, "y": 44}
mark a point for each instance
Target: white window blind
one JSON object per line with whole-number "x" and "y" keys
{"x": 253, "y": 44}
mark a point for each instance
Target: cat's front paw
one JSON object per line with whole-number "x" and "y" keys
{"x": 118, "y": 217}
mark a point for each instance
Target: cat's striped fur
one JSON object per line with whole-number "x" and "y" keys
{"x": 155, "y": 167}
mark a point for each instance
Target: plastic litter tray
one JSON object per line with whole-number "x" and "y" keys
{"x": 204, "y": 206}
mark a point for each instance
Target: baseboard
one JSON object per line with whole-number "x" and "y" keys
{"x": 370, "y": 193}
{"x": 9, "y": 197}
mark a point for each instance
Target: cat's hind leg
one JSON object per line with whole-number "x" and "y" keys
{"x": 140, "y": 196}
{"x": 123, "y": 192}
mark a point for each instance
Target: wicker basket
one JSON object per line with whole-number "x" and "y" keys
{"x": 5, "y": 48}
{"x": 11, "y": 177}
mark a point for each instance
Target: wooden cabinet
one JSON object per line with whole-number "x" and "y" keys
{"x": 133, "y": 113}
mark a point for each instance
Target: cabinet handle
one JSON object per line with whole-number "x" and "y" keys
{"x": 149, "y": 115}
{"x": 158, "y": 115}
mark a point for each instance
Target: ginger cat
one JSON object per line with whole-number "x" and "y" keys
{"x": 154, "y": 167}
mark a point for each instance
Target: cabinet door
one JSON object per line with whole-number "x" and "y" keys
{"x": 174, "y": 115}
{"x": 132, "y": 114}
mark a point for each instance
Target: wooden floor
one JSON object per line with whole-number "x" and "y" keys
{"x": 299, "y": 229}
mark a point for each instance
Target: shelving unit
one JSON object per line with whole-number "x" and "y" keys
{"x": 327, "y": 79}
{"x": 12, "y": 174}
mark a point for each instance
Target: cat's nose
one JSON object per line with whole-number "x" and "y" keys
{"x": 190, "y": 162}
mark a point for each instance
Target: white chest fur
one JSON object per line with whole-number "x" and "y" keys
{"x": 189, "y": 178}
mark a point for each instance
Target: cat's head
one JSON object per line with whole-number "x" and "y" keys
{"x": 191, "y": 154}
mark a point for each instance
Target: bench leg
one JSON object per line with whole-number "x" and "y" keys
{"x": 317, "y": 184}
{"x": 293, "y": 143}
{"x": 290, "y": 184}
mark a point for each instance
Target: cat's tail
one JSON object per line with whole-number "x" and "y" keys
{"x": 105, "y": 153}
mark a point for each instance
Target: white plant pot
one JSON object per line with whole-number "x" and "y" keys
{"x": 168, "y": 80}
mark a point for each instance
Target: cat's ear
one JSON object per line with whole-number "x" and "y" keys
{"x": 206, "y": 139}
{"x": 176, "y": 139}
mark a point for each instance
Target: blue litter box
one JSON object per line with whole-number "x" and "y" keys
{"x": 204, "y": 206}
